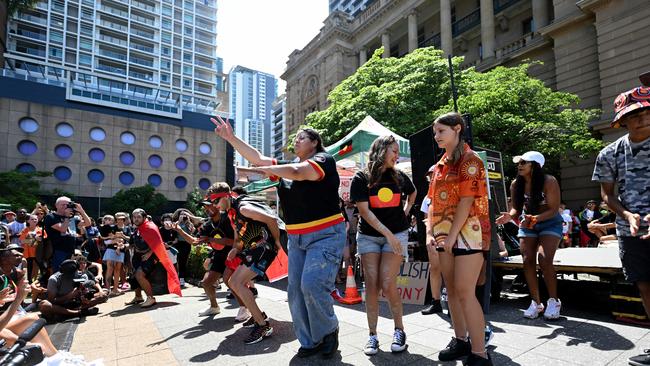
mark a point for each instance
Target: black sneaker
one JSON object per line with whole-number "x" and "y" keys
{"x": 372, "y": 347}
{"x": 330, "y": 344}
{"x": 455, "y": 349}
{"x": 89, "y": 311}
{"x": 476, "y": 360}
{"x": 434, "y": 308}
{"x": 258, "y": 333}
{"x": 399, "y": 341}
{"x": 230, "y": 295}
{"x": 253, "y": 290}
{"x": 640, "y": 360}
{"x": 251, "y": 322}
{"x": 308, "y": 352}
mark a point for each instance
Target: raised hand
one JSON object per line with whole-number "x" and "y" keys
{"x": 222, "y": 128}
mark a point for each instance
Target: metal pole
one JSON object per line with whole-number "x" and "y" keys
{"x": 454, "y": 93}
{"x": 99, "y": 200}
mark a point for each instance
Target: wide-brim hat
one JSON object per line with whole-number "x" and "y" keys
{"x": 630, "y": 101}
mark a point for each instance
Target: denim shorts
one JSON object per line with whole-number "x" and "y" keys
{"x": 550, "y": 227}
{"x": 111, "y": 255}
{"x": 379, "y": 244}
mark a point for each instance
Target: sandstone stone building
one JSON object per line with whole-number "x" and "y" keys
{"x": 592, "y": 48}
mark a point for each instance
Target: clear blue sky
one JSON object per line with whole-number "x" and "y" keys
{"x": 260, "y": 34}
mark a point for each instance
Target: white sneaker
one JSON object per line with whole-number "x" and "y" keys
{"x": 243, "y": 314}
{"x": 533, "y": 310}
{"x": 210, "y": 311}
{"x": 553, "y": 307}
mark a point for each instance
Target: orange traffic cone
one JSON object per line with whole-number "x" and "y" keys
{"x": 351, "y": 294}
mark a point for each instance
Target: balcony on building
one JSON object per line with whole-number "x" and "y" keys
{"x": 112, "y": 38}
{"x": 113, "y": 23}
{"x": 142, "y": 46}
{"x": 32, "y": 17}
{"x": 110, "y": 52}
{"x": 110, "y": 66}
{"x": 26, "y": 31}
{"x": 146, "y": 6}
{"x": 140, "y": 32}
{"x": 114, "y": 9}
{"x": 29, "y": 48}
{"x": 207, "y": 51}
{"x": 140, "y": 73}
{"x": 140, "y": 60}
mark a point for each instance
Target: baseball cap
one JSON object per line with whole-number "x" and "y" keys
{"x": 530, "y": 156}
{"x": 629, "y": 101}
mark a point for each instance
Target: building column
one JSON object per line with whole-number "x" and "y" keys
{"x": 385, "y": 42}
{"x": 446, "y": 39}
{"x": 363, "y": 56}
{"x": 540, "y": 14}
{"x": 413, "y": 31}
{"x": 487, "y": 28}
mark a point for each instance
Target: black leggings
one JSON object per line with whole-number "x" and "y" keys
{"x": 184, "y": 249}
{"x": 31, "y": 262}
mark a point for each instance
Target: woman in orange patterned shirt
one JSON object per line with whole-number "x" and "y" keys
{"x": 459, "y": 228}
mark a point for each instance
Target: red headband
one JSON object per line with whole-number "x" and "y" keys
{"x": 215, "y": 196}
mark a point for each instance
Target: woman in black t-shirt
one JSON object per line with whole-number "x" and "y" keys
{"x": 382, "y": 237}
{"x": 308, "y": 191}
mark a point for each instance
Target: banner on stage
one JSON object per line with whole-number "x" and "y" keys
{"x": 412, "y": 282}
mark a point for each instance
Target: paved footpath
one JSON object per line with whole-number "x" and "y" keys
{"x": 173, "y": 334}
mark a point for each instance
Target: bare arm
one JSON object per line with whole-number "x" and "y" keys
{"x": 224, "y": 130}
{"x": 188, "y": 238}
{"x": 294, "y": 171}
{"x": 85, "y": 220}
{"x": 409, "y": 202}
{"x": 610, "y": 197}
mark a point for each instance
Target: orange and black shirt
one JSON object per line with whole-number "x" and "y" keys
{"x": 310, "y": 206}
{"x": 385, "y": 200}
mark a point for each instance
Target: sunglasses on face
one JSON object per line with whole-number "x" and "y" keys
{"x": 523, "y": 162}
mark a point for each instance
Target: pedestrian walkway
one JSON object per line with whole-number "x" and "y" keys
{"x": 173, "y": 333}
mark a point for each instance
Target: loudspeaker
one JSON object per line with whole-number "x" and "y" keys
{"x": 424, "y": 153}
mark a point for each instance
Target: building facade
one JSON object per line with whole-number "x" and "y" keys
{"x": 251, "y": 104}
{"x": 113, "y": 94}
{"x": 352, "y": 7}
{"x": 279, "y": 138}
{"x": 592, "y": 48}
{"x": 161, "y": 54}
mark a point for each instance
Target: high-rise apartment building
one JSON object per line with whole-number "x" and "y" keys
{"x": 352, "y": 7}
{"x": 113, "y": 94}
{"x": 279, "y": 138}
{"x": 251, "y": 95}
{"x": 150, "y": 56}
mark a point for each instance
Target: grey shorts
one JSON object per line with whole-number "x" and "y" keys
{"x": 379, "y": 244}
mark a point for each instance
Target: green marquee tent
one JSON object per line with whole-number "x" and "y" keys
{"x": 354, "y": 146}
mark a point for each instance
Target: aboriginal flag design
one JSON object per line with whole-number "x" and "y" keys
{"x": 385, "y": 198}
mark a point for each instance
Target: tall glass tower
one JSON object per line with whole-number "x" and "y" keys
{"x": 151, "y": 56}
{"x": 251, "y": 95}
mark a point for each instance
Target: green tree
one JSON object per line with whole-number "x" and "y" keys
{"x": 193, "y": 202}
{"x": 21, "y": 190}
{"x": 144, "y": 197}
{"x": 511, "y": 111}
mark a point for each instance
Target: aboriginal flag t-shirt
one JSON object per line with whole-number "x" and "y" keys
{"x": 385, "y": 200}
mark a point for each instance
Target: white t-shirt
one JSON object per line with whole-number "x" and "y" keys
{"x": 424, "y": 207}
{"x": 566, "y": 216}
{"x": 589, "y": 214}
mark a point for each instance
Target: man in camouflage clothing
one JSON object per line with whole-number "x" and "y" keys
{"x": 625, "y": 163}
